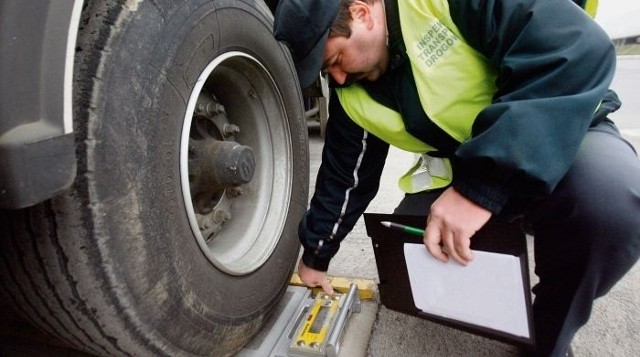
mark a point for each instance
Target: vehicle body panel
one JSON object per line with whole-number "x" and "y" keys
{"x": 37, "y": 40}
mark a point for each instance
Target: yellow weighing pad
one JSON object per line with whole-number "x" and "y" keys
{"x": 311, "y": 337}
{"x": 305, "y": 326}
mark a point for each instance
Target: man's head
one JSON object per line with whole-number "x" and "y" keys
{"x": 345, "y": 37}
{"x": 304, "y": 26}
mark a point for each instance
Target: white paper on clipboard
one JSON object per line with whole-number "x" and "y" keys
{"x": 488, "y": 292}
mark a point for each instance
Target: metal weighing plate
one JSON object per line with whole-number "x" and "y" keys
{"x": 304, "y": 326}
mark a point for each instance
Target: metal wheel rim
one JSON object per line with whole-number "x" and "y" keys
{"x": 254, "y": 103}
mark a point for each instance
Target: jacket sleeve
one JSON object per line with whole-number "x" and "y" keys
{"x": 554, "y": 67}
{"x": 348, "y": 179}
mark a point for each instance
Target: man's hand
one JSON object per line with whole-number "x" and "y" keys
{"x": 451, "y": 223}
{"x": 312, "y": 278}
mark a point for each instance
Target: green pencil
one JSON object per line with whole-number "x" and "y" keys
{"x": 407, "y": 229}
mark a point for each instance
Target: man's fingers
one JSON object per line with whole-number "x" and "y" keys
{"x": 326, "y": 287}
{"x": 464, "y": 251}
{"x": 460, "y": 250}
{"x": 443, "y": 243}
{"x": 314, "y": 278}
{"x": 324, "y": 284}
{"x": 432, "y": 241}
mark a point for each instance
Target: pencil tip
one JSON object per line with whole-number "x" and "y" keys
{"x": 386, "y": 224}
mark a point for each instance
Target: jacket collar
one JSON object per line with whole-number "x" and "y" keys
{"x": 397, "y": 49}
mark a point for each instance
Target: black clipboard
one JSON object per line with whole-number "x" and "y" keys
{"x": 395, "y": 288}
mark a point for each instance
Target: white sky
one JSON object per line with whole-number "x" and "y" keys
{"x": 620, "y": 18}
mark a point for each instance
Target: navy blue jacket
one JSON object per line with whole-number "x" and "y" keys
{"x": 555, "y": 65}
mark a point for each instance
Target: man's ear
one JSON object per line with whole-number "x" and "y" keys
{"x": 361, "y": 11}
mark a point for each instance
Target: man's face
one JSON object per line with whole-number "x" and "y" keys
{"x": 364, "y": 54}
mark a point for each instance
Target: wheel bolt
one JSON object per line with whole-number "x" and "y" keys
{"x": 234, "y": 192}
{"x": 221, "y": 216}
{"x": 230, "y": 129}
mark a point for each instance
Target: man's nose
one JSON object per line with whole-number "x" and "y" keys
{"x": 338, "y": 75}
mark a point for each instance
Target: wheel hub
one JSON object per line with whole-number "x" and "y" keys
{"x": 220, "y": 165}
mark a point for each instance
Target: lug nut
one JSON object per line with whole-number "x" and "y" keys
{"x": 234, "y": 192}
{"x": 221, "y": 216}
{"x": 214, "y": 108}
{"x": 230, "y": 129}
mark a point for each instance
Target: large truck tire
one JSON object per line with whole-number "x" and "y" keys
{"x": 179, "y": 235}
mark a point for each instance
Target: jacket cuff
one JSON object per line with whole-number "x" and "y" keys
{"x": 315, "y": 262}
{"x": 492, "y": 196}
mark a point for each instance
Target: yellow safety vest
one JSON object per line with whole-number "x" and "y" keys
{"x": 454, "y": 81}
{"x": 590, "y": 6}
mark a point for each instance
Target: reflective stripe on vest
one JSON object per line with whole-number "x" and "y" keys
{"x": 454, "y": 84}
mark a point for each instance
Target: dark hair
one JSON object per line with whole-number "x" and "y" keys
{"x": 342, "y": 24}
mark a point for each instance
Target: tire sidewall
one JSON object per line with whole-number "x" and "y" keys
{"x": 139, "y": 217}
